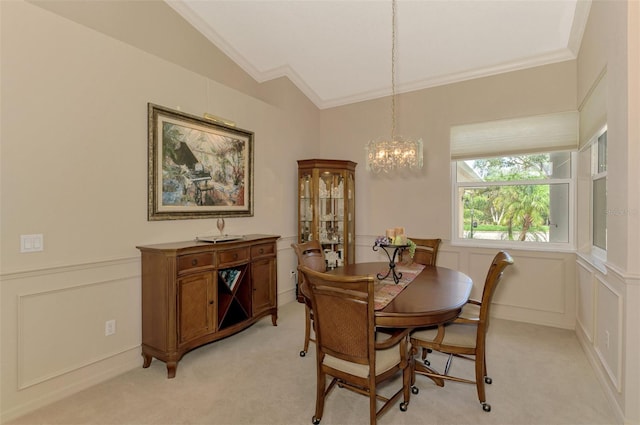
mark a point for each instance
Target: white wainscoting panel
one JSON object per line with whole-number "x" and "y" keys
{"x": 585, "y": 305}
{"x": 64, "y": 329}
{"x": 53, "y": 330}
{"x": 609, "y": 328}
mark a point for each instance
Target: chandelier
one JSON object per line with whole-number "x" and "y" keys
{"x": 394, "y": 153}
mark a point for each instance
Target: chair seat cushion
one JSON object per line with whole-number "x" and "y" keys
{"x": 470, "y": 311}
{"x": 385, "y": 360}
{"x": 458, "y": 334}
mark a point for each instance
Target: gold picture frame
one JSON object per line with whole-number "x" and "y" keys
{"x": 197, "y": 168}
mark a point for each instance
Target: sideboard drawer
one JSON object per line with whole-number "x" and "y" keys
{"x": 262, "y": 250}
{"x": 233, "y": 256}
{"x": 195, "y": 261}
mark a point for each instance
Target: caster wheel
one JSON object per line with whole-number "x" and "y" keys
{"x": 404, "y": 407}
{"x": 427, "y": 363}
{"x": 415, "y": 390}
{"x": 486, "y": 407}
{"x": 303, "y": 353}
{"x": 315, "y": 421}
{"x": 487, "y": 380}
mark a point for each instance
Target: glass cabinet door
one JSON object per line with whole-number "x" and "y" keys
{"x": 325, "y": 208}
{"x": 350, "y": 218}
{"x": 305, "y": 208}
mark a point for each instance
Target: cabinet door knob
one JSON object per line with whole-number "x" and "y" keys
{"x": 235, "y": 256}
{"x": 211, "y": 302}
{"x": 261, "y": 250}
{"x": 194, "y": 262}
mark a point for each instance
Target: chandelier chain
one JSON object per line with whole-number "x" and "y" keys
{"x": 393, "y": 69}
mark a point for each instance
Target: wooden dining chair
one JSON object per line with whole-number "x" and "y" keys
{"x": 309, "y": 254}
{"x": 348, "y": 350}
{"x": 426, "y": 251}
{"x": 464, "y": 337}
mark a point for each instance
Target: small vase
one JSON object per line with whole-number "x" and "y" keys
{"x": 220, "y": 225}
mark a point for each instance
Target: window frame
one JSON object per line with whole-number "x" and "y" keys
{"x": 595, "y": 174}
{"x": 569, "y": 246}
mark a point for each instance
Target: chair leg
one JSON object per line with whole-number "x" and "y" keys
{"x": 426, "y": 351}
{"x": 487, "y": 379}
{"x": 320, "y": 395}
{"x": 407, "y": 384}
{"x": 480, "y": 379}
{"x": 307, "y": 330}
{"x": 422, "y": 369}
{"x": 373, "y": 406}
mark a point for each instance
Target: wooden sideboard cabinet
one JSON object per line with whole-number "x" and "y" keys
{"x": 196, "y": 292}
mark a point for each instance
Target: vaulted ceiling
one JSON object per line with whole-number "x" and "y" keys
{"x": 339, "y": 52}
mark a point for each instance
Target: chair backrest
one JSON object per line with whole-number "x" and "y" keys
{"x": 494, "y": 275}
{"x": 426, "y": 251}
{"x": 343, "y": 309}
{"x": 310, "y": 254}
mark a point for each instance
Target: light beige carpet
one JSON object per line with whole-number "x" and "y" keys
{"x": 540, "y": 376}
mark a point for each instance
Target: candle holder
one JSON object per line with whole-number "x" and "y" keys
{"x": 392, "y": 252}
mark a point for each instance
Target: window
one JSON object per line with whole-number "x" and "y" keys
{"x": 516, "y": 199}
{"x": 513, "y": 181}
{"x": 599, "y": 193}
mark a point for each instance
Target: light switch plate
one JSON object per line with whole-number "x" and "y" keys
{"x": 31, "y": 243}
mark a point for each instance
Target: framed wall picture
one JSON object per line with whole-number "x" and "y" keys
{"x": 197, "y": 168}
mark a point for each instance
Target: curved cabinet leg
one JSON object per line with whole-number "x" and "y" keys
{"x": 171, "y": 369}
{"x": 147, "y": 360}
{"x": 274, "y": 319}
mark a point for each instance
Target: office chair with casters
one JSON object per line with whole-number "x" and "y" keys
{"x": 348, "y": 350}
{"x": 464, "y": 337}
{"x": 426, "y": 251}
{"x": 309, "y": 254}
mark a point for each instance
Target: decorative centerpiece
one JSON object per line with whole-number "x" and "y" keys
{"x": 396, "y": 240}
{"x": 397, "y": 237}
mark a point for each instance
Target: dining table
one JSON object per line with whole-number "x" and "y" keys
{"x": 436, "y": 295}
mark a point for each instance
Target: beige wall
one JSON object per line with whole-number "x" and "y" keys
{"x": 74, "y": 168}
{"x": 76, "y": 78}
{"x": 422, "y": 202}
{"x": 76, "y": 132}
{"x": 608, "y": 294}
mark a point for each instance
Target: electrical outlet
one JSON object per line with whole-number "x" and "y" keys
{"x": 109, "y": 327}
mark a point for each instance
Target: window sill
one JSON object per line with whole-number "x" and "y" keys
{"x": 515, "y": 245}
{"x": 595, "y": 262}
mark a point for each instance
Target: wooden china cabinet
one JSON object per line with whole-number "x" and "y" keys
{"x": 196, "y": 292}
{"x": 326, "y": 207}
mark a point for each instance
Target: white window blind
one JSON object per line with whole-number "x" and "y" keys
{"x": 593, "y": 111}
{"x": 540, "y": 133}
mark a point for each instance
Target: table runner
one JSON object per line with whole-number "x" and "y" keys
{"x": 386, "y": 290}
